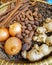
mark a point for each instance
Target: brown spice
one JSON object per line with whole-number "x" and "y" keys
{"x": 8, "y": 11}
{"x": 14, "y": 15}
{"x": 27, "y": 31}
{"x": 4, "y": 17}
{"x": 27, "y": 40}
{"x": 13, "y": 12}
{"x": 26, "y": 46}
{"x": 29, "y": 15}
{"x": 36, "y": 9}
{"x": 30, "y": 28}
{"x": 35, "y": 14}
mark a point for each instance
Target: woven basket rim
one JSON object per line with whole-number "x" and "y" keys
{"x": 7, "y": 3}
{"x": 47, "y": 61}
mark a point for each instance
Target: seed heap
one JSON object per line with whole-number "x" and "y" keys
{"x": 31, "y": 18}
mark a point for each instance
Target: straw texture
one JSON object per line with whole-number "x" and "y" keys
{"x": 47, "y": 61}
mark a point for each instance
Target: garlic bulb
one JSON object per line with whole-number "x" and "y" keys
{"x": 40, "y": 38}
{"x": 49, "y": 40}
{"x": 45, "y": 49}
{"x": 34, "y": 55}
{"x": 48, "y": 20}
{"x": 48, "y": 26}
{"x": 24, "y": 54}
{"x": 41, "y": 30}
{"x": 37, "y": 52}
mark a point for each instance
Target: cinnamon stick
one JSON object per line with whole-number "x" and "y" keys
{"x": 17, "y": 1}
{"x": 12, "y": 13}
{"x": 7, "y": 20}
{"x": 15, "y": 15}
{"x": 3, "y": 17}
{"x": 8, "y": 11}
{"x": 6, "y": 4}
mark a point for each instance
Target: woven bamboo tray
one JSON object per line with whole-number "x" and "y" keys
{"x": 47, "y": 61}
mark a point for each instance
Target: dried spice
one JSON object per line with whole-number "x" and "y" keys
{"x": 30, "y": 16}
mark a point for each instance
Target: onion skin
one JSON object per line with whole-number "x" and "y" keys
{"x": 13, "y": 46}
{"x": 4, "y": 34}
{"x": 14, "y": 29}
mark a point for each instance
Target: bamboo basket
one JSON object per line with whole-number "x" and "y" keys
{"x": 47, "y": 61}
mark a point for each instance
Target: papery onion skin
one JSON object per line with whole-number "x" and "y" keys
{"x": 4, "y": 34}
{"x": 13, "y": 46}
{"x": 14, "y": 29}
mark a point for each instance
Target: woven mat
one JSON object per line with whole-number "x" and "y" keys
{"x": 47, "y": 61}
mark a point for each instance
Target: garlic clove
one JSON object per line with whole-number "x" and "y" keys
{"x": 48, "y": 27}
{"x": 45, "y": 49}
{"x": 24, "y": 53}
{"x": 48, "y": 20}
{"x": 49, "y": 40}
{"x": 41, "y": 30}
{"x": 42, "y": 38}
{"x": 35, "y": 38}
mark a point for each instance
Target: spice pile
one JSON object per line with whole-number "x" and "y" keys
{"x": 26, "y": 22}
